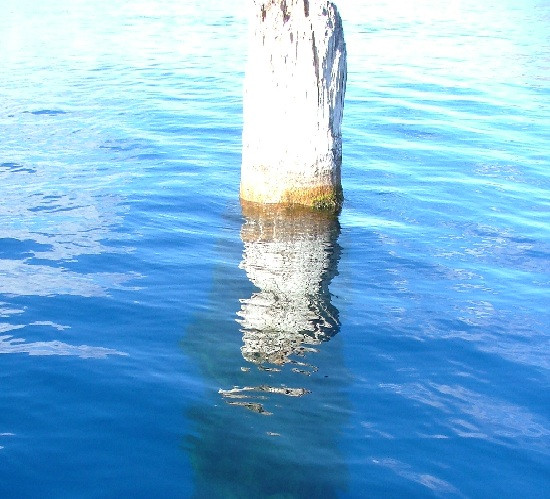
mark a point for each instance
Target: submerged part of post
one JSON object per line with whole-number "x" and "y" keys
{"x": 293, "y": 104}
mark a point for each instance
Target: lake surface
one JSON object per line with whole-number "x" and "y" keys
{"x": 158, "y": 340}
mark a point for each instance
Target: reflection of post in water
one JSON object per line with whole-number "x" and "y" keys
{"x": 291, "y": 255}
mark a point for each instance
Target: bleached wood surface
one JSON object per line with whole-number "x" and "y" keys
{"x": 293, "y": 102}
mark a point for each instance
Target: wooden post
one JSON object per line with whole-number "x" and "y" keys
{"x": 293, "y": 104}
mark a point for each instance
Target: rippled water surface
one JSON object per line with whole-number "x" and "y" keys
{"x": 159, "y": 340}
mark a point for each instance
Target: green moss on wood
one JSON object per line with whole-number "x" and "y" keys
{"x": 330, "y": 202}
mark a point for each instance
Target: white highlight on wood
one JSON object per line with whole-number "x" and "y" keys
{"x": 293, "y": 101}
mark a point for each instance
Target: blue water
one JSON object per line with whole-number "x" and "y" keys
{"x": 158, "y": 340}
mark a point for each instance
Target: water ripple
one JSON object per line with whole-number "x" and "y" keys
{"x": 11, "y": 345}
